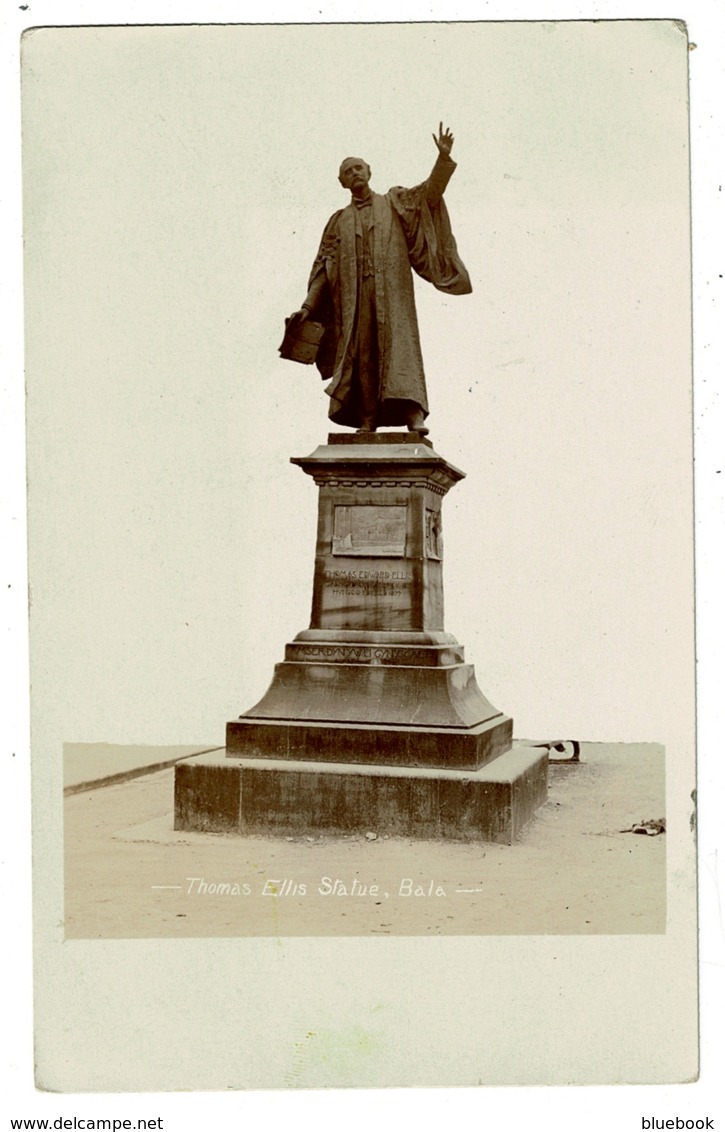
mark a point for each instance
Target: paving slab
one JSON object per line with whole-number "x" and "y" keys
{"x": 89, "y": 765}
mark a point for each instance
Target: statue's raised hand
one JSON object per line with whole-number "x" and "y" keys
{"x": 444, "y": 141}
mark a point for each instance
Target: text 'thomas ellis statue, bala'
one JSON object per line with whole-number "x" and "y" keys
{"x": 361, "y": 292}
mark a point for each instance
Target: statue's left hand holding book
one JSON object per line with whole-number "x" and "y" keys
{"x": 302, "y": 338}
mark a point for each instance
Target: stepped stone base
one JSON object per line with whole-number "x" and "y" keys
{"x": 441, "y": 747}
{"x": 403, "y": 699}
{"x": 218, "y": 794}
{"x": 374, "y": 720}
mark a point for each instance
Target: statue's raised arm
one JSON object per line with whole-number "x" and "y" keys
{"x": 443, "y": 169}
{"x": 444, "y": 141}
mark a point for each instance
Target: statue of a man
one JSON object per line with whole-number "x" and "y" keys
{"x": 361, "y": 290}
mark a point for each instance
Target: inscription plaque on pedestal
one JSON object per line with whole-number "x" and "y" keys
{"x": 370, "y": 530}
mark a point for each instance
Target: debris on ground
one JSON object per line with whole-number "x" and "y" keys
{"x": 650, "y": 828}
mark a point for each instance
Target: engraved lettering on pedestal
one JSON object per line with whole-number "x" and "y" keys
{"x": 370, "y": 530}
{"x": 367, "y": 583}
{"x": 368, "y": 593}
{"x": 360, "y": 654}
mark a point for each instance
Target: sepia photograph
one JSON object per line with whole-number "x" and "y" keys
{"x": 360, "y": 542}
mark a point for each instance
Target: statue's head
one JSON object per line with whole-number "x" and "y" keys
{"x": 354, "y": 173}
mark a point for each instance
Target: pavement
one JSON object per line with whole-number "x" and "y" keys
{"x": 577, "y": 868}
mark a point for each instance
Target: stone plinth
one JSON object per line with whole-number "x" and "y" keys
{"x": 253, "y": 796}
{"x": 459, "y": 748}
{"x": 373, "y": 719}
{"x": 376, "y": 679}
{"x": 379, "y": 558}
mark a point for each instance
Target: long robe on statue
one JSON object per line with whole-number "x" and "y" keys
{"x": 361, "y": 290}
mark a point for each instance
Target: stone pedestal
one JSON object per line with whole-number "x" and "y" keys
{"x": 216, "y": 794}
{"x": 375, "y": 681}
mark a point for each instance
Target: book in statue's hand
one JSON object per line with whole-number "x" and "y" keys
{"x": 301, "y": 341}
